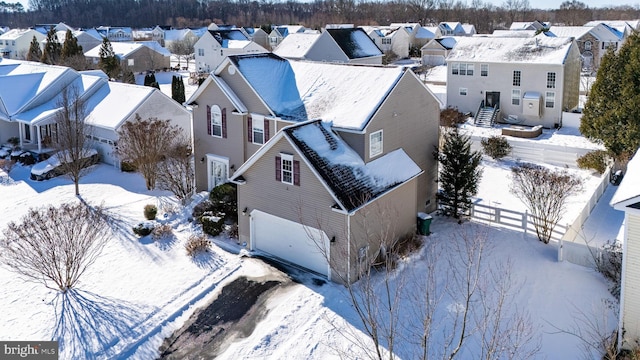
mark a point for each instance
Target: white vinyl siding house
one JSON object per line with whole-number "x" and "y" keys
{"x": 515, "y": 72}
{"x": 627, "y": 199}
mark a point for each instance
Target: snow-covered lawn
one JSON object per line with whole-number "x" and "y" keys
{"x": 139, "y": 291}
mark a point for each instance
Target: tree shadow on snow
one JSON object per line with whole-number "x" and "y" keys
{"x": 89, "y": 325}
{"x": 208, "y": 260}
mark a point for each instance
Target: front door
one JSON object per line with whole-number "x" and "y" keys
{"x": 218, "y": 171}
{"x": 492, "y": 99}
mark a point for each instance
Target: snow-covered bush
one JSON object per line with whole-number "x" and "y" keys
{"x": 496, "y": 146}
{"x": 197, "y": 244}
{"x": 144, "y": 228}
{"x": 162, "y": 231}
{"x": 150, "y": 211}
{"x": 212, "y": 224}
{"x": 232, "y": 231}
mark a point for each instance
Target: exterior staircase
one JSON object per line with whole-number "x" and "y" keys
{"x": 484, "y": 117}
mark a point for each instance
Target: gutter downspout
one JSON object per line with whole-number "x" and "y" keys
{"x": 622, "y": 281}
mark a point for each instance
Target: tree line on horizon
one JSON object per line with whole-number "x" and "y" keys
{"x": 313, "y": 14}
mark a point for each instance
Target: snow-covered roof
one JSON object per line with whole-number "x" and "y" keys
{"x": 346, "y": 95}
{"x": 22, "y": 81}
{"x": 355, "y": 42}
{"x": 527, "y": 25}
{"x": 14, "y": 34}
{"x": 620, "y": 25}
{"x": 123, "y": 49}
{"x": 514, "y": 33}
{"x": 114, "y": 102}
{"x": 296, "y": 46}
{"x": 448, "y": 42}
{"x": 539, "y": 49}
{"x": 274, "y": 81}
{"x": 628, "y": 193}
{"x": 353, "y": 182}
{"x": 425, "y": 33}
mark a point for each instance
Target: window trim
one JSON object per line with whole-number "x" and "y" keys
{"x": 517, "y": 77}
{"x": 376, "y": 147}
{"x": 551, "y": 80}
{"x": 515, "y": 99}
{"x": 259, "y": 129}
{"x": 455, "y": 69}
{"x": 470, "y": 69}
{"x": 216, "y": 124}
{"x": 288, "y": 158}
{"x": 550, "y": 95}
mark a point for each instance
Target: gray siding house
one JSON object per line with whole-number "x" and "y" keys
{"x": 307, "y": 143}
{"x": 528, "y": 81}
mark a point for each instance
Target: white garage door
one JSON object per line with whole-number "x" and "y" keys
{"x": 289, "y": 241}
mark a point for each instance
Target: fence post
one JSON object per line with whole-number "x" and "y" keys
{"x": 497, "y": 211}
{"x": 560, "y": 255}
{"x": 525, "y": 221}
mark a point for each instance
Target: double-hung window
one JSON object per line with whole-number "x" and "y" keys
{"x": 375, "y": 143}
{"x": 515, "y": 97}
{"x": 216, "y": 121}
{"x": 287, "y": 168}
{"x": 484, "y": 70}
{"x": 517, "y": 75}
{"x": 550, "y": 99}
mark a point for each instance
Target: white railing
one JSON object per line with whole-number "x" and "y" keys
{"x": 576, "y": 226}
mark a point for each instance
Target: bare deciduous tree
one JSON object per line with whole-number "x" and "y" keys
{"x": 70, "y": 139}
{"x": 456, "y": 303}
{"x": 54, "y": 244}
{"x": 545, "y": 193}
{"x": 183, "y": 49}
{"x": 144, "y": 144}
{"x": 176, "y": 172}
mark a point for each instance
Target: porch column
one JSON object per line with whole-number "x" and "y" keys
{"x": 39, "y": 139}
{"x": 21, "y": 134}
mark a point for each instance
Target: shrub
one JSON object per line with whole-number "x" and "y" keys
{"x": 143, "y": 228}
{"x": 27, "y": 158}
{"x": 224, "y": 199}
{"x": 127, "y": 167}
{"x": 6, "y": 165}
{"x": 197, "y": 244}
{"x": 451, "y": 117}
{"x": 161, "y": 232}
{"x": 496, "y": 146}
{"x": 212, "y": 224}
{"x": 232, "y": 231}
{"x": 609, "y": 264}
{"x": 15, "y": 141}
{"x": 150, "y": 211}
{"x": 201, "y": 208}
{"x": 595, "y": 160}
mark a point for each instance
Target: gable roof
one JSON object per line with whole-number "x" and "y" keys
{"x": 346, "y": 95}
{"x": 350, "y": 182}
{"x": 355, "y": 42}
{"x": 274, "y": 82}
{"x": 296, "y": 46}
{"x": 539, "y": 49}
{"x": 628, "y": 192}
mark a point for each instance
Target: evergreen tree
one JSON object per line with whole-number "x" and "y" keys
{"x": 128, "y": 77}
{"x": 177, "y": 89}
{"x": 52, "y": 49}
{"x": 108, "y": 60}
{"x": 459, "y": 173}
{"x": 35, "y": 53}
{"x": 72, "y": 54}
{"x": 611, "y": 115}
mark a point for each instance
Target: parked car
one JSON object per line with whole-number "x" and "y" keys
{"x": 52, "y": 167}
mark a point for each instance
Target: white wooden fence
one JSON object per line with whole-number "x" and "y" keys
{"x": 522, "y": 221}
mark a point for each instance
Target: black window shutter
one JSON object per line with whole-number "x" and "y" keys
{"x": 249, "y": 129}
{"x": 208, "y": 120}
{"x": 266, "y": 130}
{"x": 278, "y": 168}
{"x": 224, "y": 123}
{"x": 296, "y": 172}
